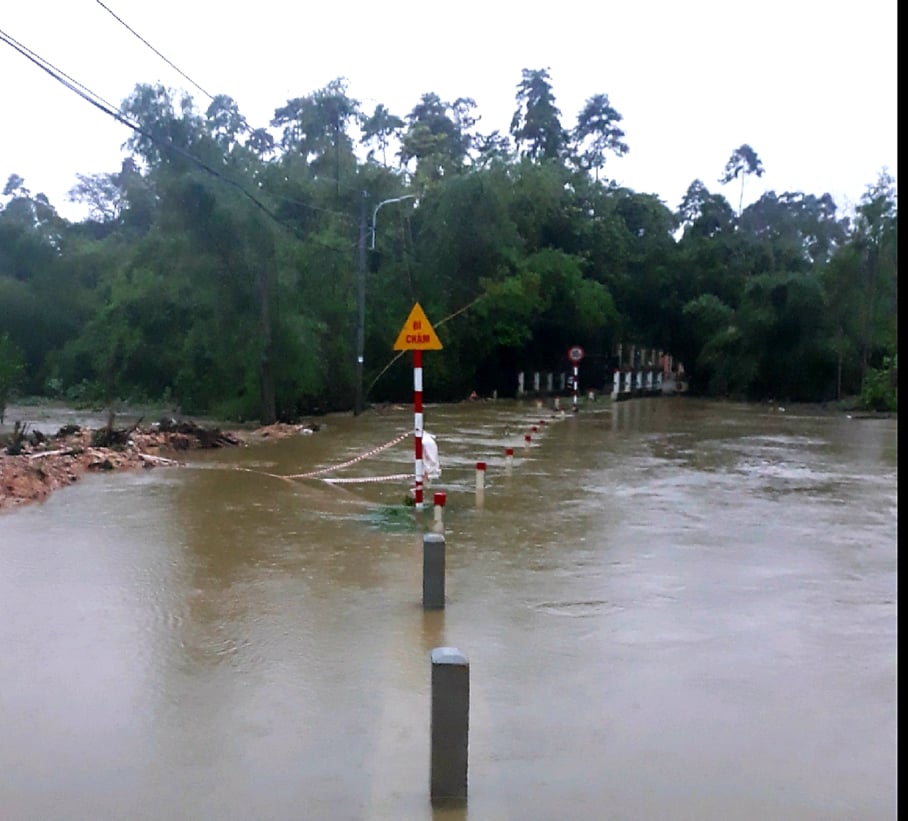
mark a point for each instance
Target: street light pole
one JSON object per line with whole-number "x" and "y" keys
{"x": 361, "y": 307}
{"x": 385, "y": 202}
{"x": 361, "y": 293}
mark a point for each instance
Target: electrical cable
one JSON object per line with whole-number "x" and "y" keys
{"x": 140, "y": 37}
{"x": 102, "y": 105}
{"x": 244, "y": 122}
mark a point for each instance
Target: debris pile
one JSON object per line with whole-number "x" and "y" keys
{"x": 32, "y": 464}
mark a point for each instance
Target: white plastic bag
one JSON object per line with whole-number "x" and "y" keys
{"x": 430, "y": 462}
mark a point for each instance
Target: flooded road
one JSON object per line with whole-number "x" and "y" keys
{"x": 671, "y": 609}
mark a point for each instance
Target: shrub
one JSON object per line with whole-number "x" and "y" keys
{"x": 880, "y": 391}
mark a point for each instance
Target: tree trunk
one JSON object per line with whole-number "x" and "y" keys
{"x": 266, "y": 372}
{"x": 869, "y": 308}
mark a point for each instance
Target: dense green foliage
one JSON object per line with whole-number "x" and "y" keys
{"x": 220, "y": 267}
{"x": 11, "y": 368}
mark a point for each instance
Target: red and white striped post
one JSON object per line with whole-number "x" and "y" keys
{"x": 480, "y": 484}
{"x": 508, "y": 458}
{"x": 417, "y": 335}
{"x": 417, "y": 427}
{"x": 439, "y": 500}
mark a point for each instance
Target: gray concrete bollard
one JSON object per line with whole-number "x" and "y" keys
{"x": 450, "y": 725}
{"x": 433, "y": 571}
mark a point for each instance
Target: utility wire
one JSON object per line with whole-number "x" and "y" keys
{"x": 441, "y": 322}
{"x": 140, "y": 37}
{"x": 50, "y": 68}
{"x": 99, "y": 103}
{"x": 245, "y": 123}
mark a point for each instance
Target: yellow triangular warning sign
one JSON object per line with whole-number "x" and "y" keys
{"x": 417, "y": 333}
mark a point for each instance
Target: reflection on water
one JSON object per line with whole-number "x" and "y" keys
{"x": 672, "y": 609}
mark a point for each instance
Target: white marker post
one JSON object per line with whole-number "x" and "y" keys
{"x": 439, "y": 502}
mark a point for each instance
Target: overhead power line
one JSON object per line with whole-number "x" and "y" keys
{"x": 102, "y": 105}
{"x": 243, "y": 121}
{"x": 58, "y": 74}
{"x": 140, "y": 37}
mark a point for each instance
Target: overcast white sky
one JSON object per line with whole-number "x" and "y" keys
{"x": 809, "y": 84}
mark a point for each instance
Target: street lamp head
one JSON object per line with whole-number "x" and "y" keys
{"x": 386, "y": 202}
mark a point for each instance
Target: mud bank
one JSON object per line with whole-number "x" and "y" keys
{"x": 36, "y": 465}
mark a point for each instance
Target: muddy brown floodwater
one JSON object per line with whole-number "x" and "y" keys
{"x": 671, "y": 608}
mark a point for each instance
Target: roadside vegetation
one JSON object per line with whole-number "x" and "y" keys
{"x": 239, "y": 272}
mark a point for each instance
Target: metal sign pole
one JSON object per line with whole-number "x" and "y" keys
{"x": 575, "y": 354}
{"x": 417, "y": 335}
{"x": 417, "y": 426}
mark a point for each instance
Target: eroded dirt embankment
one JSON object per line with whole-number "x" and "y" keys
{"x": 32, "y": 465}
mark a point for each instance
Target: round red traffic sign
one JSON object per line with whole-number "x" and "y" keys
{"x": 575, "y": 354}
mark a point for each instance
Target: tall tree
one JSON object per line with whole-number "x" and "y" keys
{"x": 436, "y": 137}
{"x": 876, "y": 238}
{"x": 490, "y": 149}
{"x": 743, "y": 163}
{"x": 170, "y": 129}
{"x": 315, "y": 128}
{"x": 596, "y": 132}
{"x": 798, "y": 231}
{"x": 260, "y": 143}
{"x": 703, "y": 213}
{"x": 225, "y": 122}
{"x": 536, "y": 124}
{"x": 11, "y": 366}
{"x": 379, "y": 129}
{"x": 35, "y": 279}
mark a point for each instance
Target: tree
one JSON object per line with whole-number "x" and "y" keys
{"x": 704, "y": 214}
{"x": 711, "y": 342}
{"x": 15, "y": 187}
{"x": 170, "y": 129}
{"x": 876, "y": 238}
{"x": 316, "y": 128}
{"x": 536, "y": 124}
{"x": 101, "y": 193}
{"x": 842, "y": 289}
{"x": 797, "y": 231}
{"x": 225, "y": 122}
{"x": 597, "y": 132}
{"x": 436, "y": 137}
{"x": 490, "y": 149}
{"x": 786, "y": 338}
{"x": 379, "y": 129}
{"x": 217, "y": 270}
{"x": 11, "y": 368}
{"x": 742, "y": 163}
{"x": 34, "y": 280}
{"x": 260, "y": 143}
